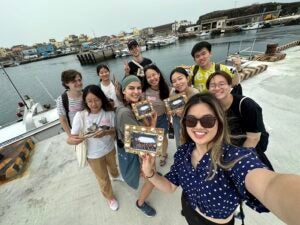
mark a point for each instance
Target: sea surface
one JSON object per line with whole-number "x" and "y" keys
{"x": 38, "y": 78}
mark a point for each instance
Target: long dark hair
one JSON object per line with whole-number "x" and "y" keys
{"x": 96, "y": 90}
{"x": 181, "y": 71}
{"x": 99, "y": 67}
{"x": 178, "y": 70}
{"x": 162, "y": 86}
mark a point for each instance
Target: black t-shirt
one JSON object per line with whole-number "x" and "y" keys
{"x": 250, "y": 119}
{"x": 134, "y": 68}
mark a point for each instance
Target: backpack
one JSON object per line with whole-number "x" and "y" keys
{"x": 262, "y": 144}
{"x": 237, "y": 89}
{"x": 196, "y": 68}
{"x": 65, "y": 102}
{"x": 264, "y": 137}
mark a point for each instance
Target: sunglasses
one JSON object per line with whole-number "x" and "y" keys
{"x": 206, "y": 121}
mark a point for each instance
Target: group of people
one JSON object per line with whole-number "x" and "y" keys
{"x": 220, "y": 138}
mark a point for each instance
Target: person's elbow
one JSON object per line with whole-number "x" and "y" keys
{"x": 252, "y": 139}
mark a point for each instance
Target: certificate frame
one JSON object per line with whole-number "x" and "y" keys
{"x": 141, "y": 139}
{"x": 142, "y": 109}
{"x": 175, "y": 102}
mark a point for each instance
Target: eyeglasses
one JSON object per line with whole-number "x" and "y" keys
{"x": 219, "y": 85}
{"x": 206, "y": 121}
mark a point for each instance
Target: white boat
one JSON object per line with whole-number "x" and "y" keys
{"x": 38, "y": 122}
{"x": 204, "y": 33}
{"x": 118, "y": 53}
{"x": 125, "y": 52}
{"x": 160, "y": 41}
{"x": 253, "y": 26}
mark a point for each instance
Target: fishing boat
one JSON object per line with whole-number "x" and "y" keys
{"x": 204, "y": 33}
{"x": 253, "y": 26}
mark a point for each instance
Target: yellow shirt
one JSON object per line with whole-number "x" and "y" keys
{"x": 202, "y": 76}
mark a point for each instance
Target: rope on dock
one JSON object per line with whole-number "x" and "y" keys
{"x": 248, "y": 72}
{"x": 288, "y": 45}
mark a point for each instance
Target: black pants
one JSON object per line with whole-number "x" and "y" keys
{"x": 194, "y": 218}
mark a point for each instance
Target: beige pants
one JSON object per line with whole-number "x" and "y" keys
{"x": 100, "y": 167}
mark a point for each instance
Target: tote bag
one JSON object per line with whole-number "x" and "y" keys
{"x": 81, "y": 148}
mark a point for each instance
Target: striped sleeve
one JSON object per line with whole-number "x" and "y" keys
{"x": 60, "y": 108}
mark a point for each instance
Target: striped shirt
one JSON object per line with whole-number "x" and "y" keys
{"x": 75, "y": 105}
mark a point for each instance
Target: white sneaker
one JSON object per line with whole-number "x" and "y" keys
{"x": 118, "y": 178}
{"x": 113, "y": 204}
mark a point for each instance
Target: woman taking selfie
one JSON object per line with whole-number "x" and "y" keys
{"x": 215, "y": 176}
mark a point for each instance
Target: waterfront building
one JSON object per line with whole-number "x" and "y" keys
{"x": 30, "y": 53}
{"x": 193, "y": 28}
{"x": 72, "y": 41}
{"x": 164, "y": 29}
{"x": 181, "y": 23}
{"x": 212, "y": 24}
{"x": 45, "y": 50}
{"x": 3, "y": 52}
{"x": 136, "y": 31}
{"x": 147, "y": 32}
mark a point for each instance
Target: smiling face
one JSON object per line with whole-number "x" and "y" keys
{"x": 103, "y": 74}
{"x": 202, "y": 58}
{"x": 219, "y": 86}
{"x": 132, "y": 92}
{"x": 152, "y": 78}
{"x": 200, "y": 135}
{"x": 135, "y": 51}
{"x": 76, "y": 84}
{"x": 179, "y": 82}
{"x": 93, "y": 102}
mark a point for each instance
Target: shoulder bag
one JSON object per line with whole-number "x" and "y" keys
{"x": 81, "y": 148}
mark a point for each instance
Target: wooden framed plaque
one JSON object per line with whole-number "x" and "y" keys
{"x": 140, "y": 139}
{"x": 175, "y": 102}
{"x": 142, "y": 109}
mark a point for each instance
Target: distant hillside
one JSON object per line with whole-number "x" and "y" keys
{"x": 286, "y": 9}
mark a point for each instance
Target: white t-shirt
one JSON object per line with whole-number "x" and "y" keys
{"x": 110, "y": 92}
{"x": 97, "y": 147}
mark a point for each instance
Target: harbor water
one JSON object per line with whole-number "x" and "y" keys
{"x": 30, "y": 78}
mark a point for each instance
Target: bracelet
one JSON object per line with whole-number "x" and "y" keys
{"x": 151, "y": 175}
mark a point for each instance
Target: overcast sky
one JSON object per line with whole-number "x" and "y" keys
{"x": 34, "y": 21}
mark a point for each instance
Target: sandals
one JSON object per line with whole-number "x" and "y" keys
{"x": 163, "y": 160}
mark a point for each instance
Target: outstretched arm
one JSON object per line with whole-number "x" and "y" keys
{"x": 280, "y": 193}
{"x": 160, "y": 182}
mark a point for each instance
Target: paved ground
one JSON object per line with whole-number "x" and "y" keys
{"x": 54, "y": 191}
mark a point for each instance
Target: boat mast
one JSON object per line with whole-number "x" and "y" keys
{"x": 12, "y": 83}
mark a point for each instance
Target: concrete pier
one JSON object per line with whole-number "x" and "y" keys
{"x": 95, "y": 56}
